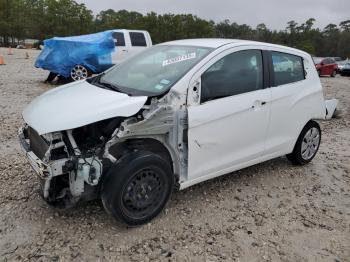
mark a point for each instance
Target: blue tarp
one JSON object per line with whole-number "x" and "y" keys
{"x": 61, "y": 54}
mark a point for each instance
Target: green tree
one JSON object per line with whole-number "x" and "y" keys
{"x": 43, "y": 19}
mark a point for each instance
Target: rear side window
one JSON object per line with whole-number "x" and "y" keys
{"x": 119, "y": 37}
{"x": 137, "y": 39}
{"x": 287, "y": 68}
{"x": 234, "y": 74}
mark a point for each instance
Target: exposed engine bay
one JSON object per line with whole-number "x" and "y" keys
{"x": 72, "y": 163}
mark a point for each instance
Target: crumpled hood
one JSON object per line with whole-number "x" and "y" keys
{"x": 78, "y": 104}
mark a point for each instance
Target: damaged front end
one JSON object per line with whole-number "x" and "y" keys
{"x": 72, "y": 164}
{"x": 68, "y": 163}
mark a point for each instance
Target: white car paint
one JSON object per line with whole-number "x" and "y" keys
{"x": 218, "y": 124}
{"x": 77, "y": 104}
{"x": 224, "y": 135}
{"x": 289, "y": 108}
{"x": 121, "y": 53}
{"x": 292, "y": 106}
{"x": 331, "y": 106}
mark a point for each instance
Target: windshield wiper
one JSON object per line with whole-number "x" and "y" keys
{"x": 109, "y": 86}
{"x": 97, "y": 81}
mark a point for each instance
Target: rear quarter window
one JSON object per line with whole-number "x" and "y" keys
{"x": 287, "y": 68}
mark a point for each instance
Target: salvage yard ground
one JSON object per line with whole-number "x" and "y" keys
{"x": 269, "y": 212}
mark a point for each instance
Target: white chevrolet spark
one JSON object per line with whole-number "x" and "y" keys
{"x": 170, "y": 117}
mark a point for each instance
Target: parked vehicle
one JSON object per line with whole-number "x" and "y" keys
{"x": 172, "y": 116}
{"x": 325, "y": 66}
{"x": 79, "y": 57}
{"x": 343, "y": 67}
{"x": 336, "y": 58}
{"x": 129, "y": 43}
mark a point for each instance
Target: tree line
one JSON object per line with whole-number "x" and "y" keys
{"x": 42, "y": 19}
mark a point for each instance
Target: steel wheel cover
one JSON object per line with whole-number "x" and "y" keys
{"x": 143, "y": 193}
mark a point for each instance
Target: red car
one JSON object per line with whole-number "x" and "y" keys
{"x": 326, "y": 66}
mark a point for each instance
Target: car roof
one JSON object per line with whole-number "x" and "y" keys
{"x": 129, "y": 30}
{"x": 218, "y": 42}
{"x": 204, "y": 42}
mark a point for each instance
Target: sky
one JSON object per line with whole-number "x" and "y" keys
{"x": 274, "y": 13}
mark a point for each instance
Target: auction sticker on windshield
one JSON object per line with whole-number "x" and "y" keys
{"x": 179, "y": 58}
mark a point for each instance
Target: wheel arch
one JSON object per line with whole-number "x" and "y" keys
{"x": 301, "y": 129}
{"x": 155, "y": 145}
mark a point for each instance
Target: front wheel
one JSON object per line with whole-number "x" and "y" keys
{"x": 80, "y": 72}
{"x": 334, "y": 73}
{"x": 307, "y": 144}
{"x": 137, "y": 188}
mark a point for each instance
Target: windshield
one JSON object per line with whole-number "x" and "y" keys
{"x": 317, "y": 60}
{"x": 155, "y": 70}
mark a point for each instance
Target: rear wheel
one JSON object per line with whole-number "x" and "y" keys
{"x": 334, "y": 73}
{"x": 137, "y": 188}
{"x": 80, "y": 72}
{"x": 319, "y": 72}
{"x": 307, "y": 144}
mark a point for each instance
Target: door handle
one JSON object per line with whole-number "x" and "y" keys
{"x": 258, "y": 104}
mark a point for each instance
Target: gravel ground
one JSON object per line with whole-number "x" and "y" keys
{"x": 268, "y": 212}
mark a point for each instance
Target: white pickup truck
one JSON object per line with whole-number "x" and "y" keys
{"x": 127, "y": 43}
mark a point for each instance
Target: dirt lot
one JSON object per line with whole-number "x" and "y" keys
{"x": 269, "y": 212}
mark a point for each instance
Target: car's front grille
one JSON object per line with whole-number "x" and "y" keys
{"x": 37, "y": 144}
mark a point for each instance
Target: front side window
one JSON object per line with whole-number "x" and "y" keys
{"x": 331, "y": 61}
{"x": 119, "y": 38}
{"x": 236, "y": 73}
{"x": 153, "y": 71}
{"x": 137, "y": 39}
{"x": 287, "y": 68}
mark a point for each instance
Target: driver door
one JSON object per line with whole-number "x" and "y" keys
{"x": 121, "y": 51}
{"x": 228, "y": 126}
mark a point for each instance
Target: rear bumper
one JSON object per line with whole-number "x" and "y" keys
{"x": 331, "y": 106}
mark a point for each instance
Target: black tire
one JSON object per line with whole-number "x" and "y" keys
{"x": 296, "y": 157}
{"x": 137, "y": 188}
{"x": 334, "y": 73}
{"x": 319, "y": 72}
